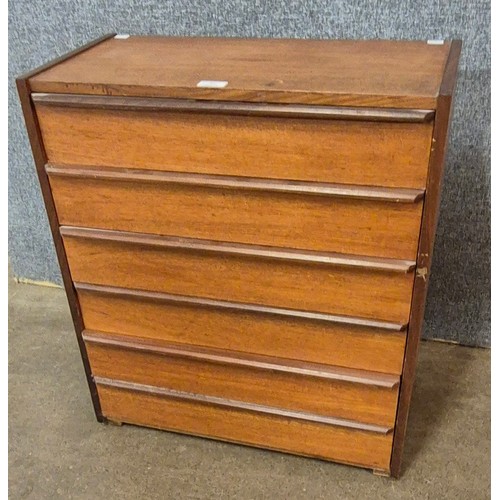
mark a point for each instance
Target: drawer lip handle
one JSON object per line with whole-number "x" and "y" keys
{"x": 231, "y": 358}
{"x": 241, "y": 405}
{"x": 375, "y": 193}
{"x": 240, "y": 249}
{"x": 234, "y": 108}
{"x": 239, "y": 306}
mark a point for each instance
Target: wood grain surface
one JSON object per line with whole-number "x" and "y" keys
{"x": 332, "y": 224}
{"x": 235, "y": 404}
{"x": 318, "y": 395}
{"x": 239, "y": 306}
{"x": 236, "y": 359}
{"x": 397, "y": 195}
{"x": 155, "y": 317}
{"x": 234, "y": 108}
{"x": 367, "y": 449}
{"x": 425, "y": 250}
{"x": 316, "y": 287}
{"x": 40, "y": 159}
{"x": 339, "y": 72}
{"x": 344, "y": 152}
{"x": 240, "y": 249}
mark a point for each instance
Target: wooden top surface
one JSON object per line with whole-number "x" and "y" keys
{"x": 405, "y": 74}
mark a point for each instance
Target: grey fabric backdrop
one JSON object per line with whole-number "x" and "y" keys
{"x": 458, "y": 307}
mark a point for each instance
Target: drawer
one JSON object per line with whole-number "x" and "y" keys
{"x": 238, "y": 274}
{"x": 360, "y": 397}
{"x": 298, "y": 335}
{"x": 238, "y": 213}
{"x": 150, "y": 407}
{"x": 350, "y": 152}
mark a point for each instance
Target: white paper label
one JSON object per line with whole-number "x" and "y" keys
{"x": 435, "y": 42}
{"x": 212, "y": 84}
{"x": 121, "y": 37}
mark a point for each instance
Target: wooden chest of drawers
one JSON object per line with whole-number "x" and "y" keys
{"x": 245, "y": 230}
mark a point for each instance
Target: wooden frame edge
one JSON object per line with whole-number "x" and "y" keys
{"x": 65, "y": 57}
{"x": 425, "y": 248}
{"x": 40, "y": 159}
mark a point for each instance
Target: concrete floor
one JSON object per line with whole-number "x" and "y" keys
{"x": 58, "y": 450}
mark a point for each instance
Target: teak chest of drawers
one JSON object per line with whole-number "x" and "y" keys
{"x": 245, "y": 231}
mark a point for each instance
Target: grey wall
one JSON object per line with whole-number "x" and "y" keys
{"x": 459, "y": 299}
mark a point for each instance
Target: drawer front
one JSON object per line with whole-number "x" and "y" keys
{"x": 359, "y": 402}
{"x": 372, "y": 450}
{"x": 351, "y": 152}
{"x": 157, "y": 317}
{"x": 325, "y": 288}
{"x": 323, "y": 223}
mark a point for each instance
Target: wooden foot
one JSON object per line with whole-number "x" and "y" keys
{"x": 114, "y": 422}
{"x": 381, "y": 472}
